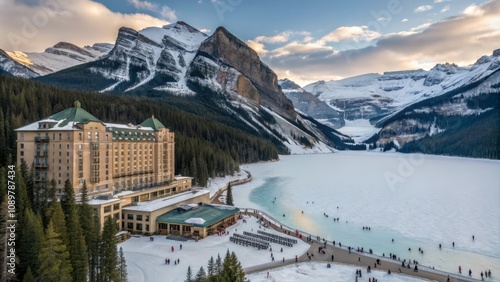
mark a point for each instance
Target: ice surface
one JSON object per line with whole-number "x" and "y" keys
{"x": 359, "y": 129}
{"x": 419, "y": 200}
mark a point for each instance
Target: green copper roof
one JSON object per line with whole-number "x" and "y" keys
{"x": 153, "y": 123}
{"x": 76, "y": 114}
{"x": 211, "y": 214}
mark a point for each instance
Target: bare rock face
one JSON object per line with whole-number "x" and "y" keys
{"x": 259, "y": 83}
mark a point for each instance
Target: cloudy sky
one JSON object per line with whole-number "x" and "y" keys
{"x": 303, "y": 40}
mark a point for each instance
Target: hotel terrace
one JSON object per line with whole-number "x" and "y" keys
{"x": 128, "y": 169}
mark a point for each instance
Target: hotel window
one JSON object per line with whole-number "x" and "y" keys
{"x": 97, "y": 136}
{"x": 138, "y": 217}
{"x": 79, "y": 136}
{"x": 146, "y": 217}
{"x": 130, "y": 225}
{"x": 22, "y": 153}
{"x": 139, "y": 226}
{"x": 22, "y": 136}
{"x": 68, "y": 136}
{"x": 89, "y": 136}
{"x": 60, "y": 136}
{"x": 22, "y": 146}
{"x": 116, "y": 207}
{"x": 130, "y": 216}
{"x": 107, "y": 209}
{"x": 147, "y": 227}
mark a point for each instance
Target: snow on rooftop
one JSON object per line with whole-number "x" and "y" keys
{"x": 102, "y": 201}
{"x": 121, "y": 194}
{"x": 195, "y": 220}
{"x": 126, "y": 126}
{"x": 223, "y": 207}
{"x": 165, "y": 202}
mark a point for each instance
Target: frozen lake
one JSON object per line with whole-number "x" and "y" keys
{"x": 420, "y": 201}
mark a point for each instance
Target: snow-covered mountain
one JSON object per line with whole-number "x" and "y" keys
{"x": 311, "y": 105}
{"x": 373, "y": 95}
{"x": 10, "y": 67}
{"x": 180, "y": 60}
{"x": 61, "y": 56}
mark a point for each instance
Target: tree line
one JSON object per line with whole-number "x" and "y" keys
{"x": 206, "y": 146}
{"x": 56, "y": 240}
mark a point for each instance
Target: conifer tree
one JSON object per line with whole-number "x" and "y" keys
{"x": 28, "y": 277}
{"x": 229, "y": 195}
{"x": 218, "y": 266}
{"x": 30, "y": 243}
{"x": 94, "y": 249}
{"x": 108, "y": 258}
{"x": 189, "y": 276}
{"x": 201, "y": 276}
{"x": 76, "y": 241}
{"x": 211, "y": 269}
{"x": 56, "y": 215}
{"x": 54, "y": 259}
{"x": 122, "y": 266}
{"x": 232, "y": 271}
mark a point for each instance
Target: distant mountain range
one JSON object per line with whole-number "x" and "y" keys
{"x": 180, "y": 60}
{"x": 177, "y": 59}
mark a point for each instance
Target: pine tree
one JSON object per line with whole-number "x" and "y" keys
{"x": 201, "y": 276}
{"x": 122, "y": 266}
{"x": 108, "y": 258}
{"x": 94, "y": 249}
{"x": 28, "y": 277}
{"x": 89, "y": 228}
{"x": 54, "y": 259}
{"x": 211, "y": 269}
{"x": 30, "y": 242}
{"x": 56, "y": 215}
{"x": 189, "y": 277}
{"x": 76, "y": 241}
{"x": 218, "y": 266}
{"x": 232, "y": 271}
{"x": 229, "y": 195}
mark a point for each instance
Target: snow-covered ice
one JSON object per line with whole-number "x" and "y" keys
{"x": 419, "y": 200}
{"x": 359, "y": 130}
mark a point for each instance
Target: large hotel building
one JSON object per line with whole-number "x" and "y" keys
{"x": 128, "y": 170}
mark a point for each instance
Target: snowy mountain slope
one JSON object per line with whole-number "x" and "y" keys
{"x": 463, "y": 121}
{"x": 153, "y": 57}
{"x": 309, "y": 104}
{"x": 180, "y": 60}
{"x": 10, "y": 66}
{"x": 372, "y": 95}
{"x": 61, "y": 56}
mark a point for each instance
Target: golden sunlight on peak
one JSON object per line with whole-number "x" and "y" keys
{"x": 20, "y": 57}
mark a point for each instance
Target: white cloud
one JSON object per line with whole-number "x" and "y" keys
{"x": 257, "y": 47}
{"x": 404, "y": 20}
{"x": 350, "y": 33}
{"x": 164, "y": 11}
{"x": 445, "y": 9}
{"x": 473, "y": 10}
{"x": 439, "y": 1}
{"x": 460, "y": 39}
{"x": 205, "y": 30}
{"x": 81, "y": 22}
{"x": 143, "y": 5}
{"x": 423, "y": 8}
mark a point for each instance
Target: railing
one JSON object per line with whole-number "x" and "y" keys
{"x": 40, "y": 139}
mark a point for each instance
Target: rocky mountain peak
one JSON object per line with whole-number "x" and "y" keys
{"x": 288, "y": 84}
{"x": 61, "y": 48}
{"x": 496, "y": 53}
{"x": 225, "y": 48}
